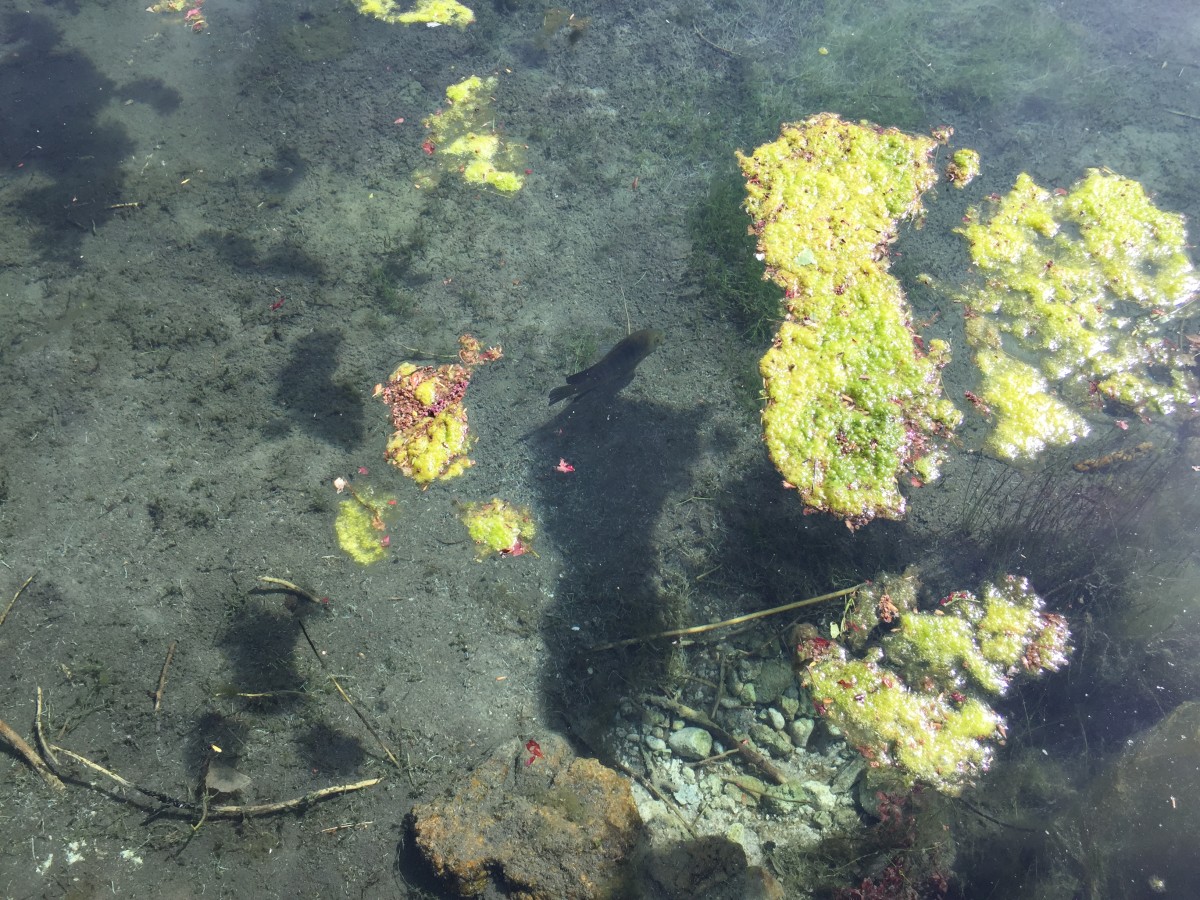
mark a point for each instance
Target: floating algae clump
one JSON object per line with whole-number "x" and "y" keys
{"x": 464, "y": 138}
{"x": 360, "y": 527}
{"x": 852, "y": 400}
{"x": 499, "y": 527}
{"x": 1081, "y": 292}
{"x": 914, "y": 702}
{"x": 428, "y": 12}
{"x": 431, "y": 440}
{"x": 963, "y": 167}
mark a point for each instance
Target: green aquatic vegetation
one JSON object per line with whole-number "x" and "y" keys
{"x": 1080, "y": 294}
{"x": 497, "y": 527}
{"x": 963, "y": 167}
{"x": 1029, "y": 417}
{"x": 903, "y": 61}
{"x": 914, "y": 702}
{"x": 852, "y": 400}
{"x": 463, "y": 138}
{"x": 361, "y": 524}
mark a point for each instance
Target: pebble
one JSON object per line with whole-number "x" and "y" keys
{"x": 687, "y": 795}
{"x": 767, "y": 738}
{"x": 655, "y": 743}
{"x": 691, "y": 743}
{"x": 776, "y": 718}
{"x": 820, "y": 794}
{"x": 800, "y": 731}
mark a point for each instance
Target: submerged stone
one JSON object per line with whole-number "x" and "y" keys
{"x": 553, "y": 828}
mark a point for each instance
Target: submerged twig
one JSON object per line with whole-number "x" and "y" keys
{"x": 224, "y": 811}
{"x": 749, "y": 617}
{"x": 716, "y": 47}
{"x": 292, "y": 588}
{"x": 345, "y": 696}
{"x": 30, "y": 756}
{"x": 13, "y": 601}
{"x": 162, "y": 678}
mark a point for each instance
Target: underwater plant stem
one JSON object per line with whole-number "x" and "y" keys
{"x": 749, "y": 617}
{"x": 652, "y": 788}
{"x": 40, "y": 734}
{"x": 716, "y": 47}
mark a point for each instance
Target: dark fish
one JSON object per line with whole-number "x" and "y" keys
{"x": 614, "y": 371}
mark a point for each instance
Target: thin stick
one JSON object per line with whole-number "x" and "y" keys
{"x": 367, "y": 724}
{"x": 700, "y": 629}
{"x": 226, "y": 812}
{"x": 336, "y": 828}
{"x": 652, "y": 788}
{"x": 267, "y": 809}
{"x": 716, "y": 47}
{"x": 96, "y": 767}
{"x": 31, "y": 756}
{"x": 40, "y": 734}
{"x": 293, "y": 588}
{"x": 1179, "y": 112}
{"x": 346, "y": 697}
{"x": 13, "y": 601}
{"x": 709, "y": 760}
{"x": 162, "y": 678}
{"x": 720, "y": 685}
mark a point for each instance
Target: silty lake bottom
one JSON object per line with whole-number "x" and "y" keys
{"x": 217, "y": 240}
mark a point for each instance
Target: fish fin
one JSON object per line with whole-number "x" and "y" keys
{"x": 580, "y": 376}
{"x": 561, "y": 393}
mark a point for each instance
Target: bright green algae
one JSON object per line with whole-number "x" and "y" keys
{"x": 851, "y": 401}
{"x": 917, "y": 735}
{"x": 914, "y": 702}
{"x": 1081, "y": 291}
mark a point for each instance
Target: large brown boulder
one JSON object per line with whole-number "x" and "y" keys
{"x": 548, "y": 827}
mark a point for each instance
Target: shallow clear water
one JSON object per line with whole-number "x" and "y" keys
{"x": 215, "y": 243}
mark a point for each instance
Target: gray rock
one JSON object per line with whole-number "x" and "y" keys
{"x": 790, "y": 706}
{"x": 820, "y": 794}
{"x": 785, "y": 799}
{"x": 691, "y": 743}
{"x": 800, "y": 731}
{"x": 774, "y": 742}
{"x": 687, "y": 795}
{"x": 775, "y": 717}
{"x": 846, "y": 776}
{"x": 655, "y": 743}
{"x": 775, "y": 677}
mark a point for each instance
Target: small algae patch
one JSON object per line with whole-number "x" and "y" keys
{"x": 499, "y": 527}
{"x": 852, "y": 399}
{"x": 361, "y": 527}
{"x": 463, "y": 138}
{"x": 922, "y": 736}
{"x": 1080, "y": 297}
{"x": 431, "y": 439}
{"x": 425, "y": 12}
{"x": 963, "y": 167}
